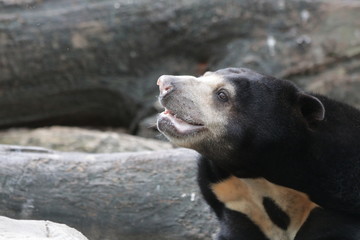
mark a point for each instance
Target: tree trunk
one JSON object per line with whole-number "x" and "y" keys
{"x": 145, "y": 195}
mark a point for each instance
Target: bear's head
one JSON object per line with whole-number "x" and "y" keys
{"x": 236, "y": 112}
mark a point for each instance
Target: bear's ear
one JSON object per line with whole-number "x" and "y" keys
{"x": 311, "y": 107}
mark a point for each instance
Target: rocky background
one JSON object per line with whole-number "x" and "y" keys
{"x": 96, "y": 62}
{"x": 80, "y": 75}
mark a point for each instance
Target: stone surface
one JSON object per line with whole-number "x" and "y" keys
{"x": 147, "y": 127}
{"x": 11, "y": 229}
{"x": 73, "y": 139}
{"x": 96, "y": 62}
{"x": 129, "y": 196}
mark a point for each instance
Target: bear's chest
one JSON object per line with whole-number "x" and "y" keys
{"x": 277, "y": 211}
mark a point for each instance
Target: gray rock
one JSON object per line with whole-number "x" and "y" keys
{"x": 316, "y": 45}
{"x": 72, "y": 139}
{"x": 96, "y": 63}
{"x": 11, "y": 229}
{"x": 127, "y": 196}
{"x": 147, "y": 128}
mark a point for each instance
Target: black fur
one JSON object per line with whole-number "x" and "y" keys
{"x": 328, "y": 225}
{"x": 276, "y": 214}
{"x": 234, "y": 225}
{"x": 273, "y": 139}
{"x": 291, "y": 138}
{"x": 302, "y": 141}
{"x": 237, "y": 226}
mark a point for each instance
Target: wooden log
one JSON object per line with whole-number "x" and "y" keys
{"x": 107, "y": 196}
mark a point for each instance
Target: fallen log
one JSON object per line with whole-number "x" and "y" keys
{"x": 126, "y": 196}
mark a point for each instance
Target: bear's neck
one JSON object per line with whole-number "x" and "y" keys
{"x": 287, "y": 169}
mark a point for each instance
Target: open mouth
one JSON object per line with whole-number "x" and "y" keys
{"x": 170, "y": 122}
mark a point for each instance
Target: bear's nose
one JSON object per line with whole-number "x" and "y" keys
{"x": 166, "y": 84}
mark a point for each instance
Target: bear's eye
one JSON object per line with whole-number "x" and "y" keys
{"x": 222, "y": 96}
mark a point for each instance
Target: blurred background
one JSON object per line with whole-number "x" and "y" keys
{"x": 80, "y": 75}
{"x": 94, "y": 63}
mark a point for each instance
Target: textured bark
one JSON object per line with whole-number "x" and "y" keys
{"x": 150, "y": 195}
{"x": 96, "y": 62}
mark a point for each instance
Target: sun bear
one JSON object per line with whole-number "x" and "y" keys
{"x": 276, "y": 162}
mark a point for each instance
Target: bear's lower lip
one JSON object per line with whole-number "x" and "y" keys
{"x": 168, "y": 123}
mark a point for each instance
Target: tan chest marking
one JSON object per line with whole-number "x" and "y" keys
{"x": 246, "y": 196}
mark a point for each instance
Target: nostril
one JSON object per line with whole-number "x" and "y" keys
{"x": 165, "y": 89}
{"x": 166, "y": 84}
{"x": 168, "y": 88}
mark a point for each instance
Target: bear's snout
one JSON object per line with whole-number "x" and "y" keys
{"x": 166, "y": 84}
{"x": 170, "y": 83}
